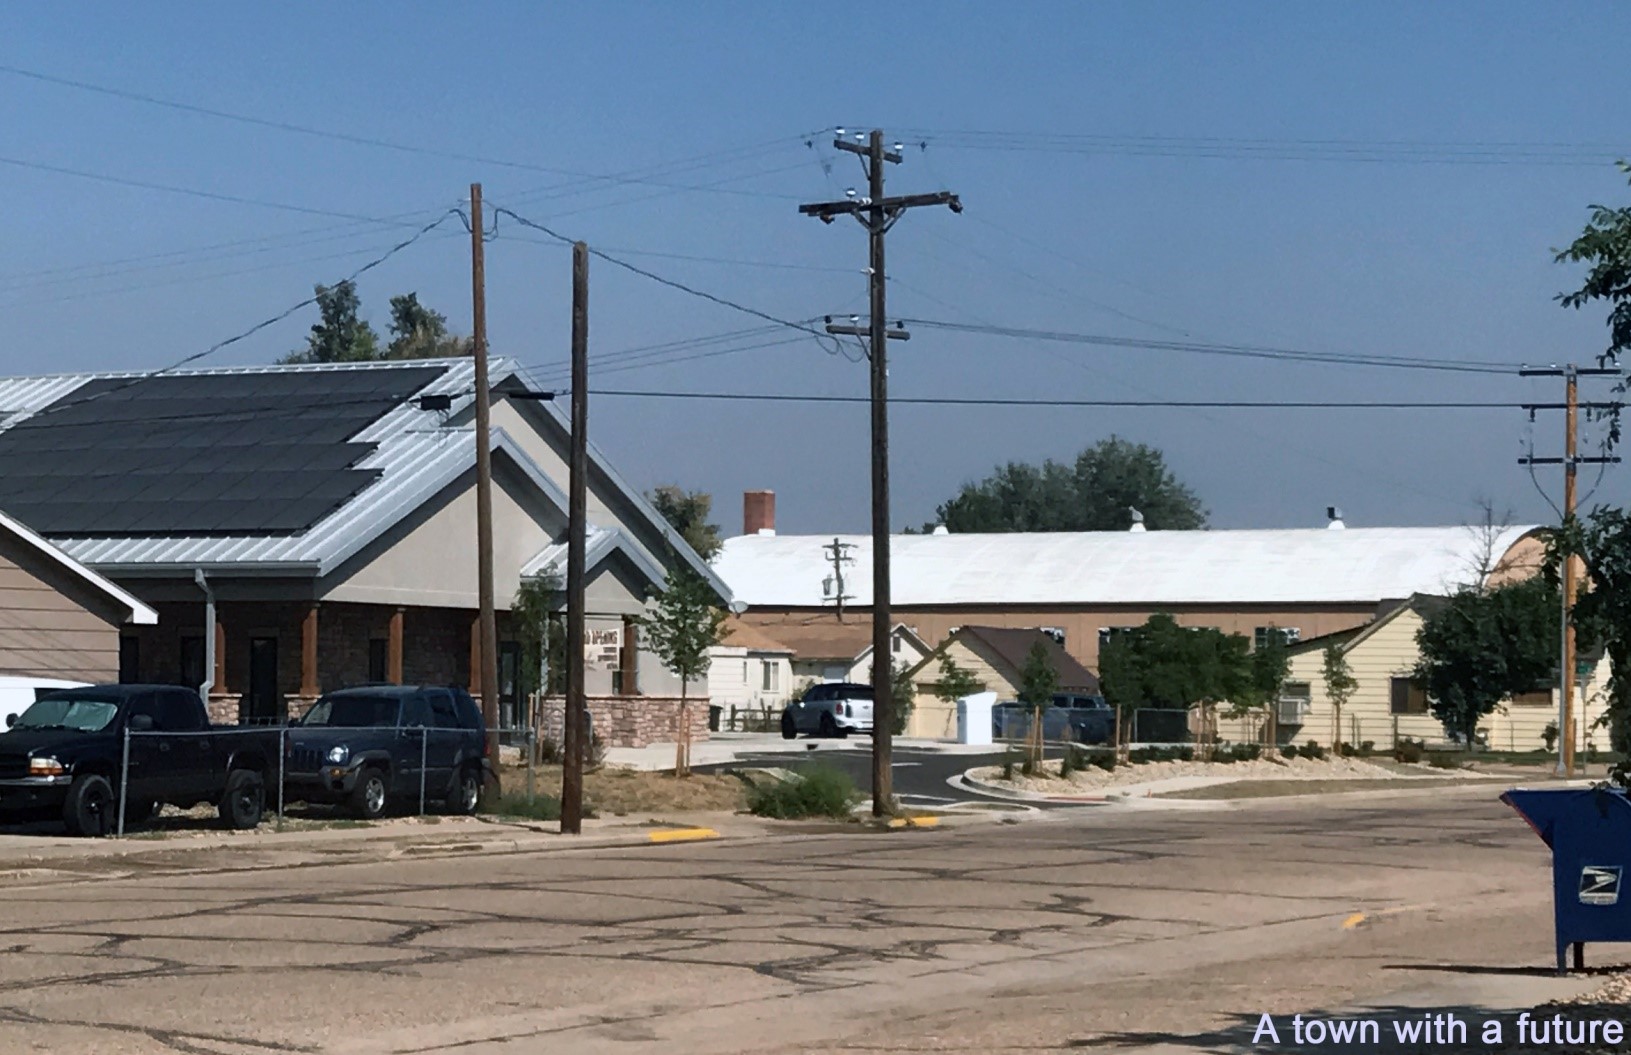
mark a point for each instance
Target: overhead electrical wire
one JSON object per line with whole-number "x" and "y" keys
{"x": 1129, "y": 404}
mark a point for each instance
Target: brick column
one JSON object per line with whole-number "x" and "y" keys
{"x": 218, "y": 680}
{"x": 308, "y": 654}
{"x": 475, "y": 657}
{"x": 393, "y": 650}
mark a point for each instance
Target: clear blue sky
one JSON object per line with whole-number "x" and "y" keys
{"x": 1442, "y": 260}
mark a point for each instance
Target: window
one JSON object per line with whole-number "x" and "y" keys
{"x": 130, "y": 666}
{"x": 441, "y": 707}
{"x": 416, "y": 713}
{"x": 1289, "y": 634}
{"x": 177, "y": 711}
{"x": 769, "y": 679}
{"x": 894, "y": 644}
{"x": 1055, "y": 632}
{"x": 376, "y": 660}
{"x": 192, "y": 660}
{"x": 1300, "y": 690}
{"x": 1406, "y": 698}
{"x": 1538, "y": 698}
{"x": 1107, "y": 633}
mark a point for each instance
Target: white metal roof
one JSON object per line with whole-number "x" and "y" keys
{"x": 1300, "y": 566}
{"x": 599, "y": 543}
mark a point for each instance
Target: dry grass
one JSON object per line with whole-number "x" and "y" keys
{"x": 620, "y": 792}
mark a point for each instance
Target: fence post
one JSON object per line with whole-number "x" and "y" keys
{"x": 124, "y": 779}
{"x": 424, "y": 741}
{"x": 282, "y": 749}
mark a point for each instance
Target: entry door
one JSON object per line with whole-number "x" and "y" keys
{"x": 264, "y": 700}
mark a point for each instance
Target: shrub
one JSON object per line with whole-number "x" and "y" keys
{"x": 1408, "y": 751}
{"x": 1549, "y": 734}
{"x": 1076, "y": 759}
{"x": 1248, "y": 752}
{"x": 1367, "y": 748}
{"x": 819, "y": 791}
{"x": 515, "y": 804}
{"x": 1345, "y": 750}
{"x": 1104, "y": 760}
{"x": 1313, "y": 750}
{"x": 1444, "y": 760}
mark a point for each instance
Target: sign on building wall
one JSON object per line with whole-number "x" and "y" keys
{"x": 602, "y": 647}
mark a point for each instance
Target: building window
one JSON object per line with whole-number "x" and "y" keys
{"x": 130, "y": 662}
{"x": 1055, "y": 632}
{"x": 769, "y": 679}
{"x": 1538, "y": 698}
{"x": 192, "y": 660}
{"x": 1288, "y": 634}
{"x": 376, "y": 660}
{"x": 1106, "y": 633}
{"x": 894, "y": 644}
{"x": 1406, "y": 698}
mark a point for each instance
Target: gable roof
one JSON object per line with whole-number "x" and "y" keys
{"x": 828, "y": 639}
{"x": 1013, "y": 648}
{"x": 135, "y": 611}
{"x": 373, "y": 458}
{"x": 599, "y": 543}
{"x": 738, "y": 634}
{"x": 1299, "y": 566}
{"x": 1423, "y": 605}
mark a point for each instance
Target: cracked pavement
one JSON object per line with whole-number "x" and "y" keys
{"x": 1122, "y": 928}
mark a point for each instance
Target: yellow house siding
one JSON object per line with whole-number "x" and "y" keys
{"x": 933, "y": 717}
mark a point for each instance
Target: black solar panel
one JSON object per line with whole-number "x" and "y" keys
{"x": 201, "y": 454}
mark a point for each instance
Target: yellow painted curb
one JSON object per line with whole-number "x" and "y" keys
{"x": 1353, "y": 921}
{"x": 913, "y": 822}
{"x": 681, "y": 835}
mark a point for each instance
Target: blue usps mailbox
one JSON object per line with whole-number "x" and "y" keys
{"x": 1589, "y": 831}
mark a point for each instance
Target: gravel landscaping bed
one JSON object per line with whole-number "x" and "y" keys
{"x": 1094, "y": 778}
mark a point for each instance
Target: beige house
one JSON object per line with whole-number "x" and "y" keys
{"x": 749, "y": 671}
{"x": 1386, "y": 707}
{"x": 59, "y": 619}
{"x": 994, "y": 655}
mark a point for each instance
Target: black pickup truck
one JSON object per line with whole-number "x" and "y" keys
{"x": 64, "y": 756}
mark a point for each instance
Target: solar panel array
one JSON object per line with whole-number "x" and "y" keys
{"x": 198, "y": 454}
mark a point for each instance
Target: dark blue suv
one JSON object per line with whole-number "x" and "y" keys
{"x": 378, "y": 746}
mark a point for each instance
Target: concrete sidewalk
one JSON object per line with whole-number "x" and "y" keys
{"x": 726, "y": 748}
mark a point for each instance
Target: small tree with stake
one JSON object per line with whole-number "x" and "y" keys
{"x": 1038, "y": 681}
{"x": 955, "y": 683}
{"x": 683, "y": 624}
{"x": 1340, "y": 686}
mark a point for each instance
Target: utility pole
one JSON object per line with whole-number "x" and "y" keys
{"x": 488, "y": 677}
{"x": 1570, "y": 571}
{"x": 878, "y": 214}
{"x": 838, "y": 554}
{"x": 573, "y": 724}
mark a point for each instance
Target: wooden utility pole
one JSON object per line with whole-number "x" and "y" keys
{"x": 574, "y": 731}
{"x": 1571, "y": 374}
{"x": 838, "y": 553}
{"x": 877, "y": 214}
{"x": 488, "y": 633}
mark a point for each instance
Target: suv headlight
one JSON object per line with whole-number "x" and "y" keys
{"x": 45, "y": 767}
{"x": 339, "y": 756}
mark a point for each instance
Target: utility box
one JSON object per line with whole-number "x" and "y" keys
{"x": 974, "y": 718}
{"x": 1589, "y": 831}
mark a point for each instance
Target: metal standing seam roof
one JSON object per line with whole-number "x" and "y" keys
{"x": 599, "y": 543}
{"x": 1296, "y": 566}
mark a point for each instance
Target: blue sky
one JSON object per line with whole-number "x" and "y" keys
{"x": 1441, "y": 260}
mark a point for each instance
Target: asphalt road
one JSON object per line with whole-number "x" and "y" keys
{"x": 922, "y": 778}
{"x": 1114, "y": 928}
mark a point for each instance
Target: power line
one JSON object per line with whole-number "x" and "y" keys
{"x": 1138, "y": 404}
{"x": 245, "y": 334}
{"x": 321, "y": 133}
{"x": 1249, "y": 351}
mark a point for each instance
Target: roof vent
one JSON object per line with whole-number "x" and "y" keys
{"x": 940, "y": 529}
{"x": 1138, "y": 519}
{"x": 1334, "y": 515}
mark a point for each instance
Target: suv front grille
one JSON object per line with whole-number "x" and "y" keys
{"x": 13, "y": 767}
{"x": 304, "y": 759}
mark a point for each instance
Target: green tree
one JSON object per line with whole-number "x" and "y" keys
{"x": 1166, "y": 666}
{"x": 1264, "y": 677}
{"x": 1602, "y": 610}
{"x": 1038, "y": 681}
{"x": 418, "y": 332}
{"x": 342, "y": 335}
{"x": 535, "y": 612}
{"x": 1097, "y": 493}
{"x": 902, "y": 694}
{"x": 684, "y": 623}
{"x": 1605, "y": 247}
{"x": 1484, "y": 646}
{"x": 1340, "y": 686}
{"x": 687, "y": 512}
{"x": 955, "y": 683}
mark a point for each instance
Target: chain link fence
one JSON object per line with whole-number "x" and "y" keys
{"x": 1092, "y": 725}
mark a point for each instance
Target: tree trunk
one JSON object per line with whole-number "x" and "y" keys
{"x": 682, "y": 738}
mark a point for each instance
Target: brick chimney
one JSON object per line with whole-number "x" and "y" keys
{"x": 758, "y": 512}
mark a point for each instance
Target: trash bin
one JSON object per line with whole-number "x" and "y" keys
{"x": 1589, "y": 831}
{"x": 974, "y": 718}
{"x": 714, "y": 711}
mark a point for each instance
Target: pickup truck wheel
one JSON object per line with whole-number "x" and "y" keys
{"x": 466, "y": 792}
{"x": 90, "y": 809}
{"x": 368, "y": 797}
{"x": 245, "y": 800}
{"x": 790, "y": 728}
